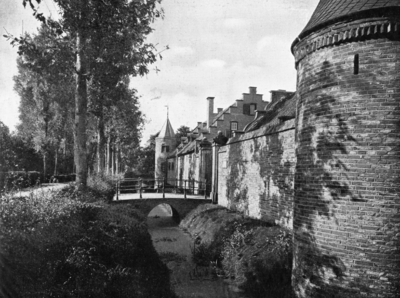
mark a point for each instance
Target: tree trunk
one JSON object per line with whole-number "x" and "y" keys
{"x": 100, "y": 143}
{"x": 113, "y": 160}
{"x": 108, "y": 155}
{"x": 44, "y": 167}
{"x": 117, "y": 165}
{"x": 80, "y": 137}
{"x": 55, "y": 162}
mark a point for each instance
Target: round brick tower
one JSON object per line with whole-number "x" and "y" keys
{"x": 347, "y": 183}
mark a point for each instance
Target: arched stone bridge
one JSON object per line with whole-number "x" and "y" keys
{"x": 180, "y": 207}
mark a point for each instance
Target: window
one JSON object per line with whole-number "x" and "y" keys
{"x": 356, "y": 64}
{"x": 246, "y": 109}
{"x": 164, "y": 148}
{"x": 253, "y": 108}
{"x": 234, "y": 125}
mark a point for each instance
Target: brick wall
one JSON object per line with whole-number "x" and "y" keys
{"x": 347, "y": 205}
{"x": 256, "y": 174}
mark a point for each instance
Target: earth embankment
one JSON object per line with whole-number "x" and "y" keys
{"x": 252, "y": 255}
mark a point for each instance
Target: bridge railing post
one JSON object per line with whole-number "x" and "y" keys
{"x": 140, "y": 188}
{"x": 163, "y": 189}
{"x": 184, "y": 190}
{"x": 205, "y": 189}
{"x": 175, "y": 183}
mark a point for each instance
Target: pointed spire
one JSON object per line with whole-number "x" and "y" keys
{"x": 167, "y": 131}
{"x": 167, "y": 112}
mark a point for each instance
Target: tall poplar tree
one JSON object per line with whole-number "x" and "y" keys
{"x": 85, "y": 21}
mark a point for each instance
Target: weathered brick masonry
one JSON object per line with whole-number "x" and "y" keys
{"x": 341, "y": 183}
{"x": 256, "y": 175}
{"x": 347, "y": 205}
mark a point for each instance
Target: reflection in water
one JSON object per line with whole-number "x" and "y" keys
{"x": 175, "y": 249}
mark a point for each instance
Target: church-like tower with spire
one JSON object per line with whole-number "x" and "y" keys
{"x": 165, "y": 144}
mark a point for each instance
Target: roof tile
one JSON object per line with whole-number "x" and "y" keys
{"x": 328, "y": 10}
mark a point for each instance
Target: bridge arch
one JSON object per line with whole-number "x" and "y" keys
{"x": 180, "y": 207}
{"x": 174, "y": 213}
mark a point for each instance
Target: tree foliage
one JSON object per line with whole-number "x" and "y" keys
{"x": 7, "y": 154}
{"x": 15, "y": 154}
{"x": 182, "y": 131}
{"x": 45, "y": 85}
{"x": 108, "y": 42}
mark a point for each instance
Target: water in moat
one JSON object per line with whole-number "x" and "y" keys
{"x": 175, "y": 249}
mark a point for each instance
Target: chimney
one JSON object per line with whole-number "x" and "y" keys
{"x": 210, "y": 110}
{"x": 253, "y": 90}
{"x": 279, "y": 94}
{"x": 219, "y": 110}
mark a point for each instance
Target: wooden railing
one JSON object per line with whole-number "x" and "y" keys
{"x": 184, "y": 186}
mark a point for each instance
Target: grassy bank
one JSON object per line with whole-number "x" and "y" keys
{"x": 73, "y": 244}
{"x": 254, "y": 255}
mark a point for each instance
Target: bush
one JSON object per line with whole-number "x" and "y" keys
{"x": 18, "y": 180}
{"x": 259, "y": 259}
{"x": 100, "y": 188}
{"x": 255, "y": 255}
{"x": 58, "y": 246}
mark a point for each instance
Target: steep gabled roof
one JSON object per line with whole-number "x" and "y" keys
{"x": 188, "y": 148}
{"x": 167, "y": 131}
{"x": 329, "y": 11}
{"x": 276, "y": 112}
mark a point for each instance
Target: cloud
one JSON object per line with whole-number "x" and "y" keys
{"x": 177, "y": 50}
{"x": 234, "y": 23}
{"x": 212, "y": 63}
{"x": 273, "y": 41}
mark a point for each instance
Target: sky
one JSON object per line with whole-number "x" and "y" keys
{"x": 217, "y": 48}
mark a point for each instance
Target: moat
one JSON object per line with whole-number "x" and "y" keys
{"x": 175, "y": 249}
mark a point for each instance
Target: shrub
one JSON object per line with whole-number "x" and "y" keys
{"x": 100, "y": 188}
{"x": 18, "y": 180}
{"x": 203, "y": 255}
{"x": 259, "y": 259}
{"x": 56, "y": 245}
{"x": 102, "y": 185}
{"x": 255, "y": 255}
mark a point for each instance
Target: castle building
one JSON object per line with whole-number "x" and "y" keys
{"x": 165, "y": 144}
{"x": 254, "y": 170}
{"x": 192, "y": 160}
{"x": 347, "y": 179}
{"x": 325, "y": 162}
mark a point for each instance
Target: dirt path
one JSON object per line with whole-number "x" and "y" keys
{"x": 175, "y": 248}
